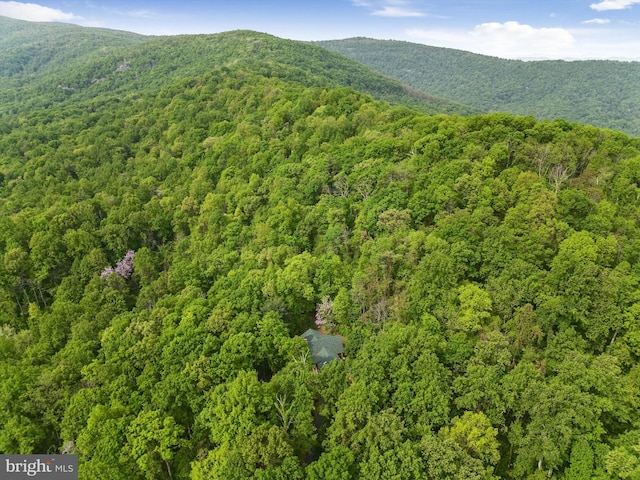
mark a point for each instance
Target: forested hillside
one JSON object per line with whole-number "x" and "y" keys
{"x": 35, "y": 48}
{"x": 74, "y": 63}
{"x": 601, "y": 93}
{"x": 162, "y": 249}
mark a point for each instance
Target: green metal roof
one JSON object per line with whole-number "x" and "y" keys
{"x": 324, "y": 348}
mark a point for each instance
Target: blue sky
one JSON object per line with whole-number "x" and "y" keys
{"x": 526, "y": 29}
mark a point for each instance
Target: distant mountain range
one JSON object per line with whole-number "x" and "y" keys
{"x": 30, "y": 48}
{"x": 596, "y": 92}
{"x": 51, "y": 62}
{"x": 48, "y": 62}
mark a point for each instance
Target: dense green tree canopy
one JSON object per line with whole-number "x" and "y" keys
{"x": 482, "y": 271}
{"x": 604, "y": 93}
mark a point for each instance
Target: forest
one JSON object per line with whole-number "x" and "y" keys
{"x": 603, "y": 93}
{"x": 164, "y": 242}
{"x": 43, "y": 64}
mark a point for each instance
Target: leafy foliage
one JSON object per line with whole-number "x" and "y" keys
{"x": 75, "y": 63}
{"x": 483, "y": 272}
{"x": 597, "y": 92}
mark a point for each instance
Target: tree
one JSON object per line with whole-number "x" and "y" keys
{"x": 475, "y": 309}
{"x": 623, "y": 461}
{"x": 334, "y": 464}
{"x": 443, "y": 457}
{"x": 100, "y": 443}
{"x": 152, "y": 442}
{"x": 581, "y": 461}
{"x": 236, "y": 408}
{"x": 474, "y": 433}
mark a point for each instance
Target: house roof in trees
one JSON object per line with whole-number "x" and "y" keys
{"x": 324, "y": 348}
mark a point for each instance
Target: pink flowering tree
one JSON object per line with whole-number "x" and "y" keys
{"x": 324, "y": 313}
{"x": 124, "y": 268}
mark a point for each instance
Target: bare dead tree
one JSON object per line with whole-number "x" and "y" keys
{"x": 364, "y": 187}
{"x": 559, "y": 174}
{"x": 341, "y": 187}
{"x": 540, "y": 160}
{"x": 283, "y": 412}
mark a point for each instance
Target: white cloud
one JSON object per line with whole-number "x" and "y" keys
{"x": 140, "y": 13}
{"x": 515, "y": 41}
{"x": 505, "y": 40}
{"x": 389, "y": 8}
{"x": 397, "y": 12}
{"x": 597, "y": 21}
{"x": 613, "y": 4}
{"x": 516, "y": 36}
{"x": 34, "y": 13}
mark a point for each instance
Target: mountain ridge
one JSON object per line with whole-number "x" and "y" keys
{"x": 29, "y": 47}
{"x": 603, "y": 93}
{"x": 157, "y": 60}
